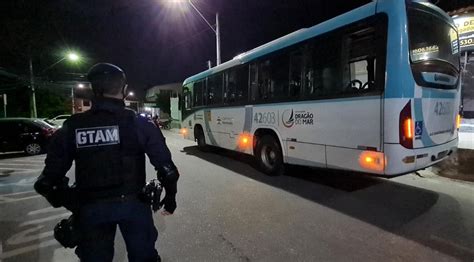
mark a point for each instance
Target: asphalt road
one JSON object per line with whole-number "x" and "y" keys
{"x": 228, "y": 211}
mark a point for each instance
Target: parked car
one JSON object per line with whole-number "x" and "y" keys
{"x": 25, "y": 134}
{"x": 49, "y": 122}
{"x": 58, "y": 120}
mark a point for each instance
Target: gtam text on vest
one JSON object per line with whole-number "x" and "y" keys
{"x": 97, "y": 136}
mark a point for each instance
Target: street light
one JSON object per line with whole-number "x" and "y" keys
{"x": 215, "y": 29}
{"x": 71, "y": 56}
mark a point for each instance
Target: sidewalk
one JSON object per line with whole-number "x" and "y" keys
{"x": 461, "y": 164}
{"x": 466, "y": 134}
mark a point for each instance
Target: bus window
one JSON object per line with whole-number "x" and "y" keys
{"x": 296, "y": 70}
{"x": 253, "y": 74}
{"x": 230, "y": 83}
{"x": 264, "y": 80}
{"x": 187, "y": 97}
{"x": 214, "y": 90}
{"x": 362, "y": 56}
{"x": 242, "y": 84}
{"x": 308, "y": 71}
{"x": 236, "y": 85}
{"x": 328, "y": 69}
{"x": 273, "y": 79}
{"x": 280, "y": 77}
{"x": 198, "y": 92}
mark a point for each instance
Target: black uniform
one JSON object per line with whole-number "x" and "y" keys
{"x": 108, "y": 144}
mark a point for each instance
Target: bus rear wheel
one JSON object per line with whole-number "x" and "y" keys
{"x": 269, "y": 156}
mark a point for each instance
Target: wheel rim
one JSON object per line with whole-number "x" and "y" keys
{"x": 269, "y": 156}
{"x": 33, "y": 149}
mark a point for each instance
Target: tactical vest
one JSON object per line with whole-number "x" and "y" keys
{"x": 109, "y": 159}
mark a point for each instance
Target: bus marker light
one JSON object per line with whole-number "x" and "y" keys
{"x": 458, "y": 121}
{"x": 372, "y": 160}
{"x": 244, "y": 140}
{"x": 409, "y": 159}
{"x": 183, "y": 131}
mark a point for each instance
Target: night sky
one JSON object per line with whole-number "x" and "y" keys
{"x": 155, "y": 43}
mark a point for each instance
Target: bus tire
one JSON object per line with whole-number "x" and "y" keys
{"x": 269, "y": 156}
{"x": 201, "y": 140}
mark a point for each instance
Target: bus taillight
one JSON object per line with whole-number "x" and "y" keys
{"x": 406, "y": 127}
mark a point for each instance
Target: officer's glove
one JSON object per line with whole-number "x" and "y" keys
{"x": 169, "y": 203}
{"x": 53, "y": 190}
{"x": 168, "y": 175}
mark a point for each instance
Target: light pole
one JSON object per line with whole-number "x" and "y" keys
{"x": 216, "y": 30}
{"x": 80, "y": 85}
{"x": 4, "y": 96}
{"x": 130, "y": 102}
{"x": 33, "y": 112}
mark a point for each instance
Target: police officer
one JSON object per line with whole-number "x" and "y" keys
{"x": 108, "y": 144}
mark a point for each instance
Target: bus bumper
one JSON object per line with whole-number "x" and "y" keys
{"x": 401, "y": 160}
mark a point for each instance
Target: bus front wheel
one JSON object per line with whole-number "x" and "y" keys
{"x": 201, "y": 140}
{"x": 269, "y": 156}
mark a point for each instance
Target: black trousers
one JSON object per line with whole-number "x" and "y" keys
{"x": 98, "y": 223}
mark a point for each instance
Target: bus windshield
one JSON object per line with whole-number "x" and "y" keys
{"x": 432, "y": 39}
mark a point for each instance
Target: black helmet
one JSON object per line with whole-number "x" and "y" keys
{"x": 107, "y": 78}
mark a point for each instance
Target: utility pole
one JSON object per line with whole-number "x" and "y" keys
{"x": 33, "y": 112}
{"x": 4, "y": 96}
{"x": 216, "y": 31}
{"x": 72, "y": 100}
{"x": 5, "y": 105}
{"x": 218, "y": 40}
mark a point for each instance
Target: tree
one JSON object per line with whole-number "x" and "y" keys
{"x": 163, "y": 101}
{"x": 52, "y": 102}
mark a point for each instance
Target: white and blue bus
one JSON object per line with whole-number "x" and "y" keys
{"x": 374, "y": 90}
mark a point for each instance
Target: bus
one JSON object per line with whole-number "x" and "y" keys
{"x": 375, "y": 90}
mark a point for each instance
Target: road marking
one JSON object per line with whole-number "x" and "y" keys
{"x": 25, "y": 236}
{"x": 17, "y": 193}
{"x": 19, "y": 251}
{"x": 44, "y": 210}
{"x": 23, "y": 161}
{"x": 13, "y": 163}
{"x": 18, "y": 169}
{"x": 46, "y": 219}
{"x": 24, "y": 182}
{"x": 4, "y": 200}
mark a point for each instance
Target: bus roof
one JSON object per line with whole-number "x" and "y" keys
{"x": 290, "y": 39}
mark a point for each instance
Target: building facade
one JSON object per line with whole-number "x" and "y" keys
{"x": 464, "y": 19}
